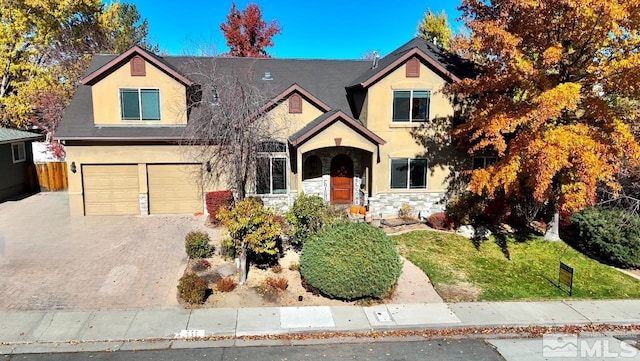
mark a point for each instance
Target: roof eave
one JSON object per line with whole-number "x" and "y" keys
{"x": 330, "y": 120}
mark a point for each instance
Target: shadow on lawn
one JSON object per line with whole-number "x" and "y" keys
{"x": 503, "y": 239}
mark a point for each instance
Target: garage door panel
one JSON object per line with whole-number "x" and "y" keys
{"x": 174, "y": 188}
{"x": 110, "y": 189}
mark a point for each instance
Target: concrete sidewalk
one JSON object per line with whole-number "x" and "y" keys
{"x": 31, "y": 332}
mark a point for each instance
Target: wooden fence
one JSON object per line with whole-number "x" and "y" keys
{"x": 52, "y": 176}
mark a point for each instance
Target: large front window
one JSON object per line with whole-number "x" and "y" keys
{"x": 271, "y": 175}
{"x": 407, "y": 173}
{"x": 140, "y": 104}
{"x": 411, "y": 105}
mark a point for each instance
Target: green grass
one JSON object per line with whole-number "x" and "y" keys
{"x": 524, "y": 275}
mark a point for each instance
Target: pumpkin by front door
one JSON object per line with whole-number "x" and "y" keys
{"x": 341, "y": 179}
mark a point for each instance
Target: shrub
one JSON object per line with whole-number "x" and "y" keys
{"x": 608, "y": 234}
{"x": 252, "y": 225}
{"x": 405, "y": 212}
{"x": 201, "y": 265}
{"x": 467, "y": 208}
{"x": 440, "y": 221}
{"x": 308, "y": 215}
{"x": 276, "y": 268}
{"x": 294, "y": 266}
{"x": 279, "y": 283}
{"x": 350, "y": 261}
{"x": 226, "y": 284}
{"x": 197, "y": 245}
{"x": 215, "y": 201}
{"x": 192, "y": 288}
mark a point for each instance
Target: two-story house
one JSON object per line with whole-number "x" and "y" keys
{"x": 348, "y": 138}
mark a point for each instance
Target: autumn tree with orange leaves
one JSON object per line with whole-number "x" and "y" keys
{"x": 247, "y": 34}
{"x": 555, "y": 98}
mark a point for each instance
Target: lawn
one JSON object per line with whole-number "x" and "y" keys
{"x": 510, "y": 270}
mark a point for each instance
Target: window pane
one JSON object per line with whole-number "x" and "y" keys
{"x": 478, "y": 162}
{"x": 272, "y": 147}
{"x": 279, "y": 181}
{"x": 150, "y": 104}
{"x": 129, "y": 103}
{"x": 399, "y": 173}
{"x": 262, "y": 176}
{"x": 401, "y": 105}
{"x": 490, "y": 160}
{"x": 420, "y": 111}
{"x": 418, "y": 175}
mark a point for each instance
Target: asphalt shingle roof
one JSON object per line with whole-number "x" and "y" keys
{"x": 327, "y": 80}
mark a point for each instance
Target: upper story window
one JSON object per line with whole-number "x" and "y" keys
{"x": 483, "y": 162}
{"x": 411, "y": 105}
{"x": 140, "y": 104}
{"x": 408, "y": 173}
{"x": 18, "y": 152}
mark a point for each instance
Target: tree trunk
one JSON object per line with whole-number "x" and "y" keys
{"x": 243, "y": 265}
{"x": 553, "y": 228}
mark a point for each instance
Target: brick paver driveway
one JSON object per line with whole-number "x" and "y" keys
{"x": 52, "y": 261}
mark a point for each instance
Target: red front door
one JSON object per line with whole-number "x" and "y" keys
{"x": 341, "y": 179}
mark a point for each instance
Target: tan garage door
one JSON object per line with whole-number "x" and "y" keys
{"x": 173, "y": 188}
{"x": 110, "y": 189}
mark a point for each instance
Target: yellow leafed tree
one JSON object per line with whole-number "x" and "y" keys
{"x": 555, "y": 98}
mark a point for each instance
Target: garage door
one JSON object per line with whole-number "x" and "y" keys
{"x": 173, "y": 188}
{"x": 110, "y": 189}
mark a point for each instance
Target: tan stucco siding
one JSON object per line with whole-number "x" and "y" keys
{"x": 106, "y": 96}
{"x": 286, "y": 123}
{"x": 326, "y": 138}
{"x": 400, "y": 144}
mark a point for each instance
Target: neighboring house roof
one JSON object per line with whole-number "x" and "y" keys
{"x": 444, "y": 62}
{"x": 324, "y": 83}
{"x": 322, "y": 122}
{"x": 8, "y": 135}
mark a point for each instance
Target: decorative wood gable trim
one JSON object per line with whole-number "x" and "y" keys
{"x": 338, "y": 116}
{"x": 122, "y": 58}
{"x": 415, "y": 52}
{"x": 295, "y": 104}
{"x": 413, "y": 68}
{"x": 137, "y": 65}
{"x": 292, "y": 90}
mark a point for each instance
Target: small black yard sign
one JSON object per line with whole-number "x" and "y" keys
{"x": 565, "y": 277}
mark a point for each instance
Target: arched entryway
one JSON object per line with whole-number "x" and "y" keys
{"x": 341, "y": 179}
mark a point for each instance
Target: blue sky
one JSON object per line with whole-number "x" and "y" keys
{"x": 330, "y": 29}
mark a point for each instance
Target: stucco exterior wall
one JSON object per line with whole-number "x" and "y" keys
{"x": 400, "y": 143}
{"x": 106, "y": 96}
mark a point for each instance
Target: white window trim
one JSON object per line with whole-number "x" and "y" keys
{"x": 140, "y": 104}
{"x": 410, "y": 121}
{"x": 408, "y": 188}
{"x": 16, "y": 157}
{"x": 272, "y": 156}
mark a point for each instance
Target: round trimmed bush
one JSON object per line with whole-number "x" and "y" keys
{"x": 608, "y": 234}
{"x": 192, "y": 288}
{"x": 197, "y": 245}
{"x": 350, "y": 261}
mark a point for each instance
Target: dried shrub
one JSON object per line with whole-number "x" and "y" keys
{"x": 192, "y": 288}
{"x": 294, "y": 267}
{"x": 226, "y": 284}
{"x": 279, "y": 283}
{"x": 405, "y": 212}
{"x": 276, "y": 268}
{"x": 201, "y": 265}
{"x": 440, "y": 221}
{"x": 215, "y": 201}
{"x": 197, "y": 245}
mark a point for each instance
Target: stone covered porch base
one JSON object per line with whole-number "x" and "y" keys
{"x": 387, "y": 205}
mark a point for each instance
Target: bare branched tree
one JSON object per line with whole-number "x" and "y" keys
{"x": 228, "y": 122}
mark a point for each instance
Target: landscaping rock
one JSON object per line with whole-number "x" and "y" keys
{"x": 466, "y": 231}
{"x": 226, "y": 270}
